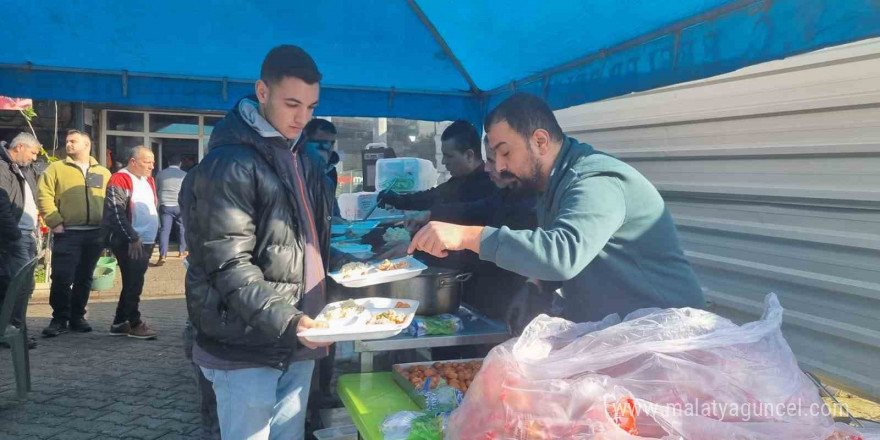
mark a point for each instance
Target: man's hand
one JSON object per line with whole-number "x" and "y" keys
{"x": 397, "y": 249}
{"x": 438, "y": 238}
{"x": 136, "y": 250}
{"x": 306, "y": 323}
{"x": 416, "y": 219}
{"x": 58, "y": 229}
{"x": 387, "y": 198}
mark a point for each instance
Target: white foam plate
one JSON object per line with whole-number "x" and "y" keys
{"x": 375, "y": 276}
{"x": 358, "y": 329}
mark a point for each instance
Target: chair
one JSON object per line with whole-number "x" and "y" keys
{"x": 19, "y": 289}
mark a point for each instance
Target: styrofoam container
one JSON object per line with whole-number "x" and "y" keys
{"x": 348, "y": 432}
{"x": 355, "y": 249}
{"x": 365, "y": 224}
{"x": 354, "y": 206}
{"x": 408, "y": 174}
{"x": 361, "y": 331}
{"x": 357, "y": 228}
{"x": 375, "y": 276}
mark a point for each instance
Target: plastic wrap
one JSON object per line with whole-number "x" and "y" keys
{"x": 435, "y": 325}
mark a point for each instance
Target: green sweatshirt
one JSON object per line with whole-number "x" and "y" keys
{"x": 64, "y": 198}
{"x": 605, "y": 233}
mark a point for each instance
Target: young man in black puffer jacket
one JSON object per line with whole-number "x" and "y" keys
{"x": 257, "y": 216}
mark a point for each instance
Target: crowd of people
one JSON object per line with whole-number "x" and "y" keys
{"x": 89, "y": 211}
{"x": 547, "y": 224}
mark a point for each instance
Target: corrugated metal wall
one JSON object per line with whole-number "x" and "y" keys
{"x": 773, "y": 176}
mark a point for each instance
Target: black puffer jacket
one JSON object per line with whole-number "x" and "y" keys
{"x": 12, "y": 181}
{"x": 244, "y": 285}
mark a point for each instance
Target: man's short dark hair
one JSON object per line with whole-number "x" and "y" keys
{"x": 81, "y": 133}
{"x": 464, "y": 137}
{"x": 316, "y": 125}
{"x": 288, "y": 60}
{"x": 175, "y": 159}
{"x": 525, "y": 113}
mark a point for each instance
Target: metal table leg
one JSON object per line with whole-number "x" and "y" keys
{"x": 366, "y": 362}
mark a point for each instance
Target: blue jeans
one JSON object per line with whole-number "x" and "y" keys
{"x": 19, "y": 253}
{"x": 170, "y": 216}
{"x": 262, "y": 403}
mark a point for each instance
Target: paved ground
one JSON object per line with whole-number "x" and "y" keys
{"x": 96, "y": 386}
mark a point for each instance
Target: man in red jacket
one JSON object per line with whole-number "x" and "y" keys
{"x": 132, "y": 221}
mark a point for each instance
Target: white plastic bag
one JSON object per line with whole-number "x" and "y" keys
{"x": 671, "y": 374}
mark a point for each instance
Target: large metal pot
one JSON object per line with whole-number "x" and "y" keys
{"x": 438, "y": 290}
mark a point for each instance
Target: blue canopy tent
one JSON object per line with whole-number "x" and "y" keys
{"x": 419, "y": 59}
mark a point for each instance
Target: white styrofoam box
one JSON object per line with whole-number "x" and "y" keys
{"x": 412, "y": 174}
{"x": 354, "y": 206}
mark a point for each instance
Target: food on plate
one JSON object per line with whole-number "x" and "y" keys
{"x": 344, "y": 310}
{"x": 354, "y": 269}
{"x": 401, "y": 305}
{"x": 458, "y": 375}
{"x": 389, "y": 265}
{"x": 395, "y": 234}
{"x": 388, "y": 317}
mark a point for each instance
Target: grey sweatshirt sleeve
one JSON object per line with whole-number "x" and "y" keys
{"x": 592, "y": 210}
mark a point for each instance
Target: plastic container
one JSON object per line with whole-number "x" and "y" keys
{"x": 349, "y": 432}
{"x": 362, "y": 228}
{"x": 107, "y": 262}
{"x": 363, "y": 331}
{"x": 354, "y": 206}
{"x": 357, "y": 250}
{"x": 103, "y": 278}
{"x": 339, "y": 229}
{"x": 412, "y": 174}
{"x": 375, "y": 276}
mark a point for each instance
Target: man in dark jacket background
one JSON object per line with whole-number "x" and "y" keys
{"x": 490, "y": 288}
{"x": 463, "y": 157}
{"x": 18, "y": 213}
{"x": 256, "y": 214}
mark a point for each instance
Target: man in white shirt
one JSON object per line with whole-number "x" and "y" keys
{"x": 131, "y": 218}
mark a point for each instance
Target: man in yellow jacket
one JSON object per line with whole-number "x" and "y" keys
{"x": 70, "y": 196}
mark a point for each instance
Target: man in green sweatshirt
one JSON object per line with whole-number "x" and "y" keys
{"x": 70, "y": 197}
{"x": 604, "y": 234}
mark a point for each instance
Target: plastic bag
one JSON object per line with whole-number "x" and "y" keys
{"x": 670, "y": 374}
{"x": 435, "y": 325}
{"x": 397, "y": 426}
{"x": 410, "y": 425}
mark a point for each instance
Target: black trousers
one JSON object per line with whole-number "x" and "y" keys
{"x": 133, "y": 271}
{"x": 74, "y": 256}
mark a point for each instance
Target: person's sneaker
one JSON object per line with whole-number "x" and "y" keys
{"x": 80, "y": 325}
{"x": 56, "y": 327}
{"x": 142, "y": 331}
{"x": 161, "y": 261}
{"x": 120, "y": 329}
{"x": 184, "y": 254}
